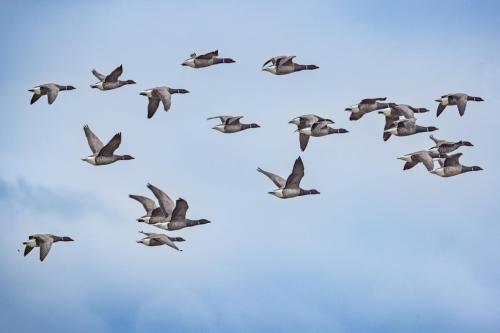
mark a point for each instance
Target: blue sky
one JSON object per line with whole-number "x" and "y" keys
{"x": 380, "y": 250}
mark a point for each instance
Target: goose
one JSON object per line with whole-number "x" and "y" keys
{"x": 111, "y": 81}
{"x": 153, "y": 214}
{"x": 154, "y": 239}
{"x": 282, "y": 65}
{"x": 178, "y": 218}
{"x": 425, "y": 157}
{"x": 205, "y": 60}
{"x": 307, "y": 121}
{"x": 163, "y": 94}
{"x": 405, "y": 127}
{"x": 367, "y": 105}
{"x": 102, "y": 155}
{"x": 230, "y": 124}
{"x": 317, "y": 129}
{"x": 289, "y": 188}
{"x": 446, "y": 147}
{"x": 458, "y": 99}
{"x": 44, "y": 242}
{"x": 395, "y": 112}
{"x": 49, "y": 89}
{"x": 451, "y": 167}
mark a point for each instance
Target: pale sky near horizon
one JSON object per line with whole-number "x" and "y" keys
{"x": 380, "y": 250}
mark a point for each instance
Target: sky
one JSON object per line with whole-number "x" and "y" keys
{"x": 380, "y": 250}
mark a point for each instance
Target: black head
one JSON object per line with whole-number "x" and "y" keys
{"x": 130, "y": 82}
{"x": 182, "y": 91}
{"x": 229, "y": 60}
{"x": 66, "y": 239}
{"x": 476, "y": 168}
{"x": 253, "y": 125}
{"x": 479, "y": 99}
{"x": 466, "y": 143}
{"x": 312, "y": 67}
{"x": 432, "y": 129}
{"x": 422, "y": 110}
{"x": 313, "y": 191}
{"x": 204, "y": 221}
{"x": 70, "y": 88}
{"x": 343, "y": 130}
{"x": 127, "y": 157}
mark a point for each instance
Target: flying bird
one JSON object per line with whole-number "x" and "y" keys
{"x": 103, "y": 154}
{"x": 367, "y": 105}
{"x": 446, "y": 147}
{"x": 425, "y": 157}
{"x": 178, "y": 218}
{"x": 160, "y": 94}
{"x": 396, "y": 112}
{"x": 44, "y": 242}
{"x": 230, "y": 124}
{"x": 49, "y": 89}
{"x": 111, "y": 81}
{"x": 406, "y": 127}
{"x": 289, "y": 188}
{"x": 307, "y": 121}
{"x": 317, "y": 129}
{"x": 458, "y": 99}
{"x": 451, "y": 167}
{"x": 282, "y": 65}
{"x": 154, "y": 239}
{"x": 205, "y": 60}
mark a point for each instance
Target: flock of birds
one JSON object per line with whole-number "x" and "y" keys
{"x": 399, "y": 121}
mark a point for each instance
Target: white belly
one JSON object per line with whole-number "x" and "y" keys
{"x": 162, "y": 225}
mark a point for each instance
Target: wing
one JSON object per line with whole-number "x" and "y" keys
{"x": 98, "y": 75}
{"x": 277, "y": 180}
{"x": 27, "y": 250}
{"x": 152, "y": 106}
{"x": 115, "y": 74}
{"x": 409, "y": 165}
{"x": 461, "y": 104}
{"x": 452, "y": 160}
{"x": 208, "y": 55}
{"x": 295, "y": 177}
{"x": 319, "y": 125}
{"x": 179, "y": 213}
{"x": 45, "y": 246}
{"x": 164, "y": 95}
{"x": 274, "y": 60}
{"x": 157, "y": 212}
{"x": 404, "y": 111}
{"x": 233, "y": 120}
{"x": 166, "y": 204}
{"x": 372, "y": 100}
{"x": 111, "y": 146}
{"x": 35, "y": 98}
{"x": 304, "y": 140}
{"x": 148, "y": 204}
{"x": 284, "y": 61}
{"x": 426, "y": 159}
{"x": 52, "y": 94}
{"x": 223, "y": 119}
{"x": 94, "y": 143}
{"x": 440, "y": 109}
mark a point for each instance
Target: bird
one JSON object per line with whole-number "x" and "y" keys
{"x": 446, "y": 147}
{"x": 405, "y": 127}
{"x": 111, "y": 81}
{"x": 49, "y": 89}
{"x": 425, "y": 157}
{"x": 44, "y": 242}
{"x": 158, "y": 214}
{"x": 230, "y": 124}
{"x": 102, "y": 155}
{"x": 205, "y": 60}
{"x": 367, "y": 105}
{"x": 163, "y": 94}
{"x": 451, "y": 167}
{"x": 154, "y": 239}
{"x": 307, "y": 121}
{"x": 458, "y": 99}
{"x": 395, "y": 112}
{"x": 317, "y": 129}
{"x": 289, "y": 188}
{"x": 282, "y": 65}
{"x": 178, "y": 218}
